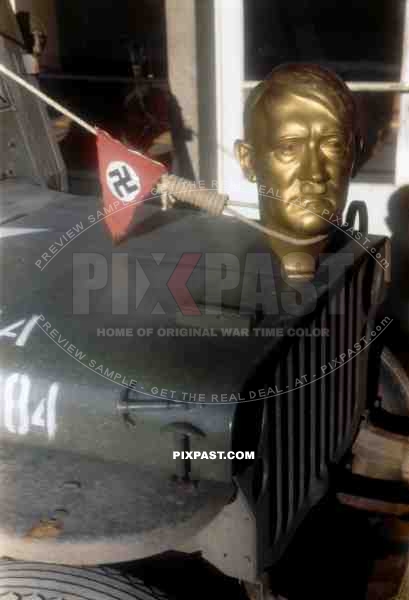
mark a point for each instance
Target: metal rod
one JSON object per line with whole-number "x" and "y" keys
{"x": 103, "y": 79}
{"x": 140, "y": 405}
{"x": 243, "y": 204}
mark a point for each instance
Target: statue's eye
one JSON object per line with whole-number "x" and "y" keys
{"x": 333, "y": 144}
{"x": 288, "y": 149}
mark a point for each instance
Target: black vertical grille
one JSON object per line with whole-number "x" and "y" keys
{"x": 312, "y": 423}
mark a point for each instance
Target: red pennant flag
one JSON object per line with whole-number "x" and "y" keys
{"x": 127, "y": 179}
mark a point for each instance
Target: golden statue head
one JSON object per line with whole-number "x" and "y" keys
{"x": 301, "y": 138}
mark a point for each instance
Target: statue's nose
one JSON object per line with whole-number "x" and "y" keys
{"x": 313, "y": 169}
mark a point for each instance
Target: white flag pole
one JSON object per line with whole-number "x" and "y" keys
{"x": 34, "y": 90}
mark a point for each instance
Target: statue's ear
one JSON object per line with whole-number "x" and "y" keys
{"x": 245, "y": 155}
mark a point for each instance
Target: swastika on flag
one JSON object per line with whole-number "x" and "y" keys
{"x": 128, "y": 176}
{"x": 123, "y": 181}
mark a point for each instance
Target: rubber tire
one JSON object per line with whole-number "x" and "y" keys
{"x": 34, "y": 581}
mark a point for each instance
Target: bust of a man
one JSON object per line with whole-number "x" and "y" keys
{"x": 301, "y": 139}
